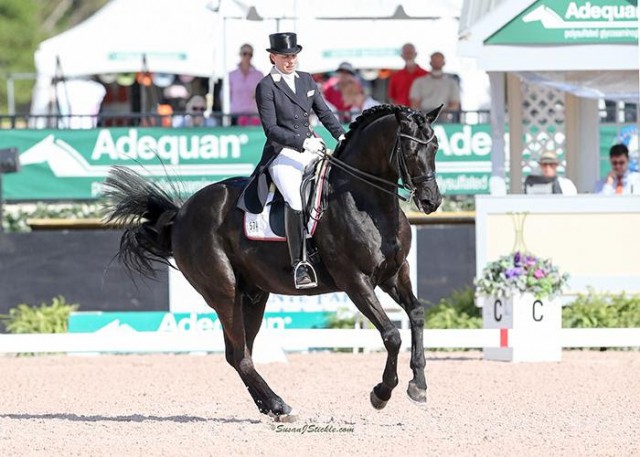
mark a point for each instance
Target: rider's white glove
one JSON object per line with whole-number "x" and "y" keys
{"x": 313, "y": 144}
{"x": 341, "y": 137}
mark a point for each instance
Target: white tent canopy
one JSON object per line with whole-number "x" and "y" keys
{"x": 175, "y": 36}
{"x": 201, "y": 37}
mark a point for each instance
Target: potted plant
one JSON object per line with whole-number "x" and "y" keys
{"x": 519, "y": 295}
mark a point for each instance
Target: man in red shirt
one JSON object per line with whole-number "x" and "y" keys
{"x": 400, "y": 82}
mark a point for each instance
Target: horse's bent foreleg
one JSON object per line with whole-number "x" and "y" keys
{"x": 363, "y": 296}
{"x": 399, "y": 288}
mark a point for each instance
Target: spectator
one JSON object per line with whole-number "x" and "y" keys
{"x": 548, "y": 182}
{"x": 345, "y": 74}
{"x": 619, "y": 181}
{"x": 194, "y": 114}
{"x": 435, "y": 89}
{"x": 353, "y": 94}
{"x": 401, "y": 81}
{"x": 242, "y": 89}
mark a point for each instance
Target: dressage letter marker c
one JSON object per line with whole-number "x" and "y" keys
{"x": 533, "y": 311}
{"x": 497, "y": 317}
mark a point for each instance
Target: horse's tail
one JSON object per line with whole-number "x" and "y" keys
{"x": 146, "y": 212}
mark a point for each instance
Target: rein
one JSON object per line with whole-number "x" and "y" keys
{"x": 408, "y": 182}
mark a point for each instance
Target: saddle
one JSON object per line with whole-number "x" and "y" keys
{"x": 269, "y": 225}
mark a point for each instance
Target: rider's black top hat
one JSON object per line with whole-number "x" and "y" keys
{"x": 284, "y": 43}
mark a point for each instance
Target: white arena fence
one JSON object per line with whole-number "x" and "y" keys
{"x": 295, "y": 340}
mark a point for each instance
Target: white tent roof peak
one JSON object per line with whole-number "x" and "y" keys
{"x": 535, "y": 56}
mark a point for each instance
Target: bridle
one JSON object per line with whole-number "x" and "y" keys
{"x": 408, "y": 182}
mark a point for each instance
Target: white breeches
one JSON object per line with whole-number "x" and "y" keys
{"x": 286, "y": 171}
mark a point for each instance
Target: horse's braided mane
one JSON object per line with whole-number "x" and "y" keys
{"x": 375, "y": 113}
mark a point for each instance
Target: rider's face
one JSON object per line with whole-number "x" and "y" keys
{"x": 286, "y": 63}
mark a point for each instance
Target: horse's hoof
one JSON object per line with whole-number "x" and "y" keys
{"x": 376, "y": 402}
{"x": 416, "y": 394}
{"x": 284, "y": 418}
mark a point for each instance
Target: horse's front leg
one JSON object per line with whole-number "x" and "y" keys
{"x": 399, "y": 288}
{"x": 362, "y": 294}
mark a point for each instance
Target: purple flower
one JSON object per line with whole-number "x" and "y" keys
{"x": 539, "y": 274}
{"x": 513, "y": 272}
{"x": 529, "y": 261}
{"x": 517, "y": 258}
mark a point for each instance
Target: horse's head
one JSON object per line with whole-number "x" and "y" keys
{"x": 415, "y": 157}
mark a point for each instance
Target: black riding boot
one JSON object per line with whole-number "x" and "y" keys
{"x": 293, "y": 224}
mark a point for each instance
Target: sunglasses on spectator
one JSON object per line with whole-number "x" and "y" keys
{"x": 198, "y": 108}
{"x": 618, "y": 162}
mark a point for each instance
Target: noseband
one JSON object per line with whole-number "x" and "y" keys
{"x": 408, "y": 182}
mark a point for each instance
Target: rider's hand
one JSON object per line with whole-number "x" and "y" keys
{"x": 315, "y": 145}
{"x": 341, "y": 138}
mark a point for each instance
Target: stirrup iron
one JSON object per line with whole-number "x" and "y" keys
{"x": 312, "y": 275}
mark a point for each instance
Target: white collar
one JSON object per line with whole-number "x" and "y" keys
{"x": 277, "y": 75}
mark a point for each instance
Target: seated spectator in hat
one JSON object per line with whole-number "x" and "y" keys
{"x": 548, "y": 181}
{"x": 620, "y": 180}
{"x": 242, "y": 89}
{"x": 354, "y": 95}
{"x": 333, "y": 89}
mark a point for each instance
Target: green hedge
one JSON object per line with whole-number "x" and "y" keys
{"x": 458, "y": 310}
{"x": 15, "y": 216}
{"x": 593, "y": 310}
{"x": 45, "y": 318}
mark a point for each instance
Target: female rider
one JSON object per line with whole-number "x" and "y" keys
{"x": 285, "y": 99}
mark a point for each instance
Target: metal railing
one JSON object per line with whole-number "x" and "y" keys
{"x": 179, "y": 120}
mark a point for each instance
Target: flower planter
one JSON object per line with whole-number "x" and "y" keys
{"x": 529, "y": 328}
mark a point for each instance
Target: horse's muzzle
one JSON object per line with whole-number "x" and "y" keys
{"x": 428, "y": 206}
{"x": 428, "y": 200}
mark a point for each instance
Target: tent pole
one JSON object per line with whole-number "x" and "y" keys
{"x": 514, "y": 103}
{"x": 11, "y": 101}
{"x": 497, "y": 184}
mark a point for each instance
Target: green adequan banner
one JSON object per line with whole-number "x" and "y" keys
{"x": 567, "y": 22}
{"x": 72, "y": 164}
{"x": 158, "y": 321}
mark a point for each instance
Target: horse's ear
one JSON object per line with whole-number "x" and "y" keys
{"x": 433, "y": 115}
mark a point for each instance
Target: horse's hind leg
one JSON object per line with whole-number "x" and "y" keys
{"x": 399, "y": 288}
{"x": 363, "y": 296}
{"x": 253, "y": 306}
{"x": 238, "y": 355}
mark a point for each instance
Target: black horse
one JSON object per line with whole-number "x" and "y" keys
{"x": 362, "y": 239}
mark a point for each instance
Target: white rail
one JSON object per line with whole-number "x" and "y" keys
{"x": 295, "y": 340}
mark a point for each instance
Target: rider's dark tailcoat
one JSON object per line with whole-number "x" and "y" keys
{"x": 285, "y": 120}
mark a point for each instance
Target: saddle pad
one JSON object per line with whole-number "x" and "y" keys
{"x": 258, "y": 227}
